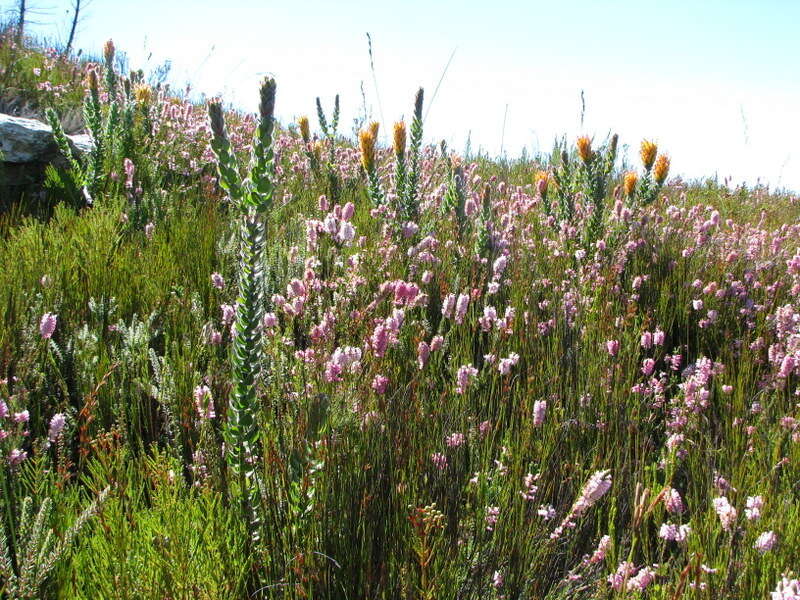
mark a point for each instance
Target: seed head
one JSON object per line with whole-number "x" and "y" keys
{"x": 613, "y": 146}
{"x": 399, "y": 140}
{"x": 305, "y": 131}
{"x": 661, "y": 169}
{"x": 629, "y": 182}
{"x": 648, "y": 154}
{"x": 108, "y": 52}
{"x": 585, "y": 149}
{"x": 366, "y": 141}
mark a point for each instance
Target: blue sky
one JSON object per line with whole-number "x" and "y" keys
{"x": 715, "y": 83}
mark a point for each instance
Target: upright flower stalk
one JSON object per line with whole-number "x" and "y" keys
{"x": 367, "y": 141}
{"x": 252, "y": 197}
{"x": 656, "y": 169}
{"x": 329, "y": 132}
{"x": 103, "y": 126}
{"x": 399, "y": 147}
{"x": 408, "y": 198}
{"x": 597, "y": 170}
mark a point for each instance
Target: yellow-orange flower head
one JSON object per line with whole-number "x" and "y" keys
{"x": 662, "y": 169}
{"x": 366, "y": 141}
{"x": 373, "y": 128}
{"x": 317, "y": 150}
{"x": 399, "y": 138}
{"x": 585, "y": 149}
{"x": 629, "y": 183}
{"x": 143, "y": 94}
{"x": 542, "y": 179}
{"x": 648, "y": 153}
{"x": 305, "y": 130}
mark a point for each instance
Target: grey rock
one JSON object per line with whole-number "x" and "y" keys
{"x": 24, "y": 140}
{"x": 81, "y": 143}
{"x": 28, "y": 140}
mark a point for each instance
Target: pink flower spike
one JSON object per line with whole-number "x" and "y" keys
{"x": 56, "y": 426}
{"x": 217, "y": 281}
{"x": 48, "y": 325}
{"x": 539, "y": 410}
{"x": 766, "y": 542}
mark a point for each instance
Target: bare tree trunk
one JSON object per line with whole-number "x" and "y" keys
{"x": 21, "y": 22}
{"x": 76, "y": 12}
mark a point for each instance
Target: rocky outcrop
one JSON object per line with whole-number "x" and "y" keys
{"x": 27, "y": 146}
{"x": 30, "y": 141}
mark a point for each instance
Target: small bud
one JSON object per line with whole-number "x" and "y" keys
{"x": 613, "y": 146}
{"x": 418, "y": 104}
{"x": 648, "y": 154}
{"x": 217, "y": 119}
{"x": 93, "y": 83}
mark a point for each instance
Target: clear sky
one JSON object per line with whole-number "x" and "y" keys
{"x": 715, "y": 82}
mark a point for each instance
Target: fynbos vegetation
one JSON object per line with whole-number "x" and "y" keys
{"x": 246, "y": 360}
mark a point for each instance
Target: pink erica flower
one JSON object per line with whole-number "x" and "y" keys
{"x": 463, "y": 376}
{"x": 203, "y": 402}
{"x": 753, "y": 508}
{"x": 436, "y": 343}
{"x": 766, "y": 542}
{"x": 726, "y": 512}
{"x": 217, "y": 281}
{"x": 379, "y": 384}
{"x": 673, "y": 502}
{"x": 16, "y": 456}
{"x": 648, "y": 365}
{"x": 505, "y": 364}
{"x": 57, "y": 423}
{"x": 47, "y": 325}
{"x": 129, "y": 172}
{"x": 461, "y": 308}
{"x": 423, "y": 354}
{"x": 599, "y": 555}
{"x": 539, "y": 410}
{"x": 439, "y": 461}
